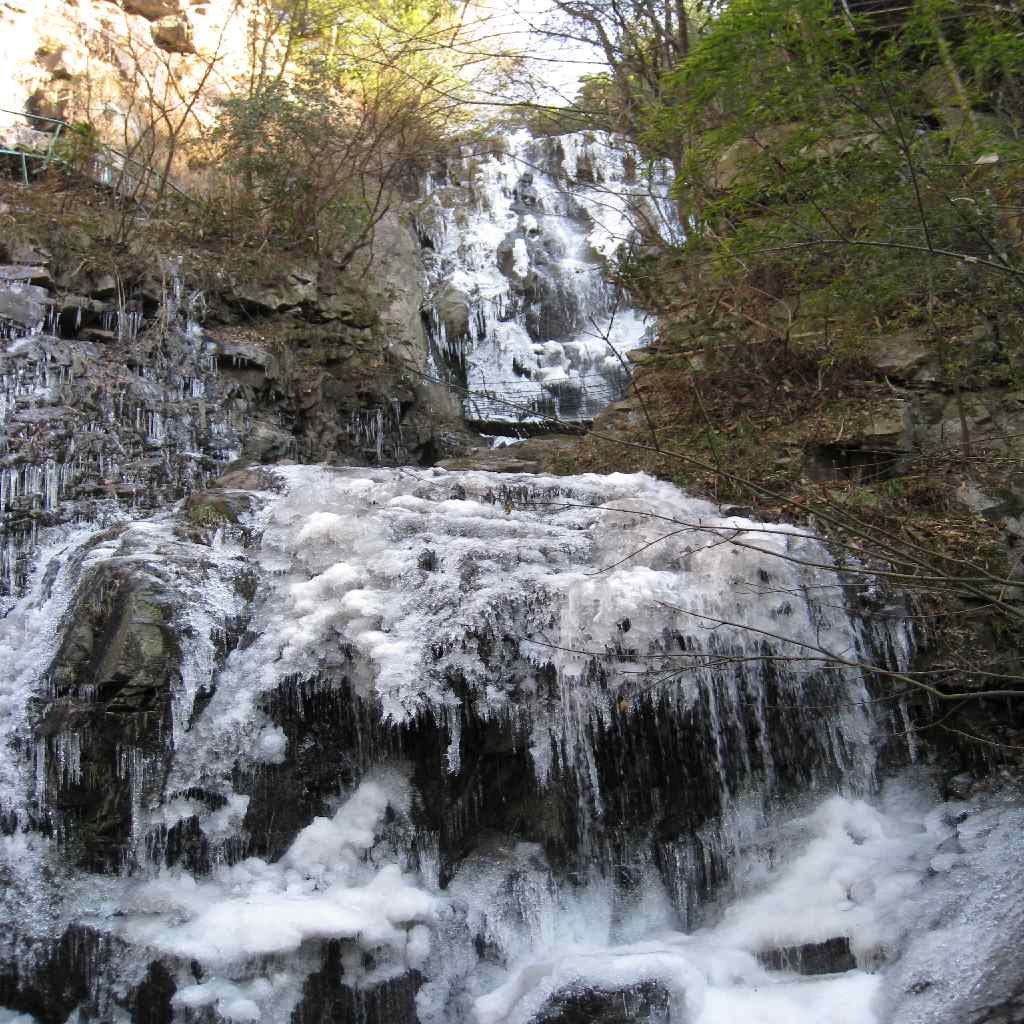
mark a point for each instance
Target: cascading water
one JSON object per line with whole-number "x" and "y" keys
{"x": 396, "y": 745}
{"x": 482, "y": 748}
{"x": 518, "y": 239}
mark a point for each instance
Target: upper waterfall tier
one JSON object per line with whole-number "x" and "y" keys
{"x": 520, "y": 238}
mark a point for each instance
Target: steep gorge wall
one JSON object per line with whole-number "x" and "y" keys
{"x": 80, "y": 60}
{"x": 134, "y": 380}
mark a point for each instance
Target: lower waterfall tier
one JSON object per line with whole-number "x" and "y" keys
{"x": 398, "y": 745}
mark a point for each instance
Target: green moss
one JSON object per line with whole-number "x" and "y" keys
{"x": 209, "y": 515}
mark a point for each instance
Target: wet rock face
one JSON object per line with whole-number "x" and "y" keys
{"x": 327, "y": 999}
{"x": 649, "y": 1003}
{"x": 111, "y": 686}
{"x": 135, "y": 392}
{"x": 830, "y": 957}
{"x": 60, "y": 977}
{"x": 106, "y": 723}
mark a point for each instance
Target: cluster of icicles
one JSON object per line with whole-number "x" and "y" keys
{"x": 560, "y": 564}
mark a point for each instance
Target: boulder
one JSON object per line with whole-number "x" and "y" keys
{"x": 888, "y": 426}
{"x": 153, "y": 9}
{"x": 173, "y": 34}
{"x": 832, "y": 956}
{"x": 217, "y": 507}
{"x": 648, "y": 1002}
{"x": 903, "y": 357}
{"x": 267, "y": 443}
{"x": 112, "y": 681}
{"x": 25, "y": 304}
{"x": 452, "y": 307}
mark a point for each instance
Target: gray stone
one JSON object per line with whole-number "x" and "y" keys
{"x": 267, "y": 443}
{"x": 23, "y": 272}
{"x": 281, "y": 287}
{"x": 905, "y": 357}
{"x": 452, "y": 306}
{"x": 153, "y": 9}
{"x": 173, "y": 34}
{"x": 25, "y": 304}
{"x": 23, "y": 253}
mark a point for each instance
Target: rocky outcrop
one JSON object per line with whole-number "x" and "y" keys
{"x": 84, "y": 60}
{"x": 153, "y": 9}
{"x": 108, "y": 722}
{"x": 117, "y": 392}
{"x": 173, "y": 34}
{"x": 650, "y": 1003}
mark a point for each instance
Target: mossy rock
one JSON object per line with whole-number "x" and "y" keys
{"x": 215, "y": 508}
{"x": 112, "y": 682}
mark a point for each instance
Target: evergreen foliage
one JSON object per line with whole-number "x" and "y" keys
{"x": 852, "y": 174}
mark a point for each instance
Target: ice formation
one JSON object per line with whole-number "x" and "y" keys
{"x": 567, "y": 608}
{"x": 518, "y": 241}
{"x": 682, "y": 697}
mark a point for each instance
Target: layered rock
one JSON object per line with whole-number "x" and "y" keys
{"x": 52, "y": 48}
{"x": 137, "y": 389}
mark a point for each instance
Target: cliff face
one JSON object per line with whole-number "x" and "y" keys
{"x": 81, "y": 60}
{"x": 139, "y": 375}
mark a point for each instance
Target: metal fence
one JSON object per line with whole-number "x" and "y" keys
{"x": 106, "y": 166}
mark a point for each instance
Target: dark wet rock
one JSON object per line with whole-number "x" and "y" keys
{"x": 112, "y": 683}
{"x": 959, "y": 787}
{"x": 61, "y": 978}
{"x": 151, "y": 1001}
{"x": 185, "y": 845}
{"x": 647, "y": 1002}
{"x": 333, "y": 737}
{"x": 105, "y": 724}
{"x": 327, "y": 999}
{"x": 832, "y": 956}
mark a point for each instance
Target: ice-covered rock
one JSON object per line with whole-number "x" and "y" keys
{"x": 519, "y": 241}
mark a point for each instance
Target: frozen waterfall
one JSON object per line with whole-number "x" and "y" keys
{"x": 299, "y": 744}
{"x": 520, "y": 237}
{"x": 549, "y": 745}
